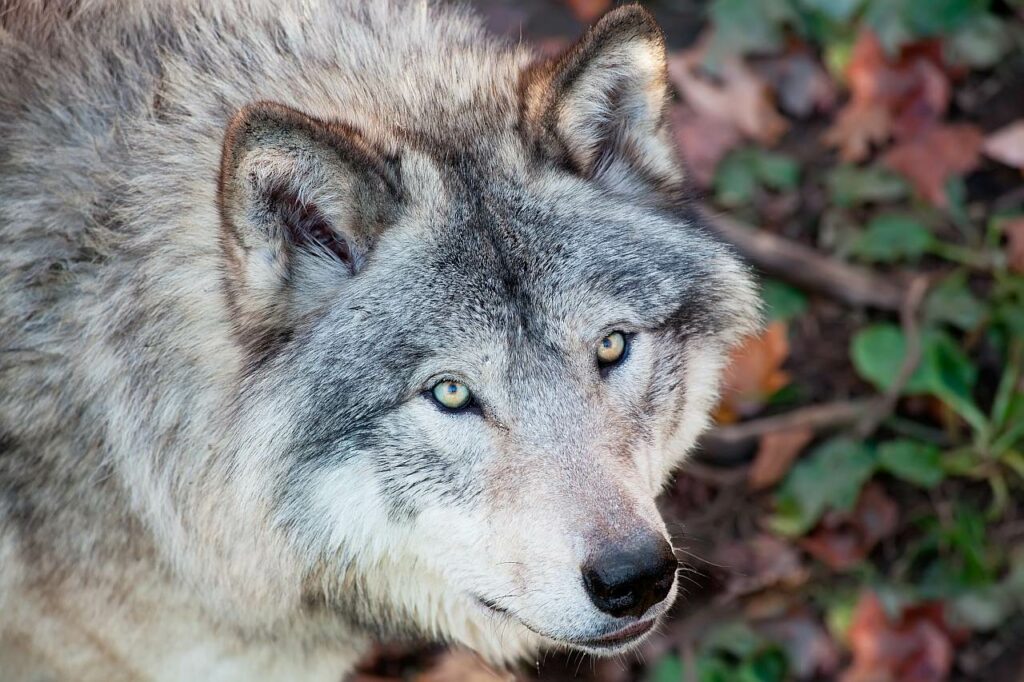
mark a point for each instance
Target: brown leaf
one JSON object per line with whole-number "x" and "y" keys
{"x": 844, "y": 539}
{"x": 916, "y": 646}
{"x": 462, "y": 666}
{"x": 735, "y": 95}
{"x": 1014, "y": 230}
{"x": 930, "y": 158}
{"x": 889, "y": 96}
{"x": 703, "y": 141}
{"x": 754, "y": 373}
{"x": 858, "y": 128}
{"x": 775, "y": 455}
{"x": 589, "y": 11}
{"x": 759, "y": 563}
{"x": 1006, "y": 145}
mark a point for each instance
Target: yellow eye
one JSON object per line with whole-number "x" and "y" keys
{"x": 452, "y": 395}
{"x": 611, "y": 349}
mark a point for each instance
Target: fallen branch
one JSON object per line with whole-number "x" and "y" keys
{"x": 805, "y": 267}
{"x": 735, "y": 442}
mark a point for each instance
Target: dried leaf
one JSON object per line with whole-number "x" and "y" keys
{"x": 703, "y": 141}
{"x": 889, "y": 96}
{"x": 775, "y": 455}
{"x": 858, "y": 128}
{"x": 589, "y": 11}
{"x": 1006, "y": 145}
{"x": 915, "y": 647}
{"x": 932, "y": 157}
{"x": 736, "y": 95}
{"x": 754, "y": 373}
{"x": 844, "y": 539}
{"x": 462, "y": 666}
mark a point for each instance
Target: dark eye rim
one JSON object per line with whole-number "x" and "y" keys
{"x": 606, "y": 366}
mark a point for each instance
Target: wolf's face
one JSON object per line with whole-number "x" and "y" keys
{"x": 474, "y": 360}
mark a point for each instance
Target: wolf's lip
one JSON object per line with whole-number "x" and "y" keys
{"x": 626, "y": 635}
{"x": 614, "y": 640}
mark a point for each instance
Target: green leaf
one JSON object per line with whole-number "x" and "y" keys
{"x": 887, "y": 19}
{"x": 981, "y": 42}
{"x": 891, "y": 237}
{"x": 950, "y": 376}
{"x": 769, "y": 665}
{"x": 877, "y": 352}
{"x": 736, "y": 638}
{"x": 776, "y": 171}
{"x": 900, "y": 21}
{"x": 982, "y": 610}
{"x": 849, "y": 185}
{"x": 714, "y": 669}
{"x": 912, "y": 461}
{"x": 953, "y": 302}
{"x": 782, "y": 301}
{"x": 735, "y": 180}
{"x": 668, "y": 669}
{"x": 830, "y": 478}
{"x": 839, "y": 11}
{"x": 742, "y": 27}
{"x": 956, "y": 197}
{"x": 739, "y": 175}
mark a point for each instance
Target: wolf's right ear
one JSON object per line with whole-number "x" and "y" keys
{"x": 301, "y": 202}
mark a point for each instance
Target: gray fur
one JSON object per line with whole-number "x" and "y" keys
{"x": 217, "y": 460}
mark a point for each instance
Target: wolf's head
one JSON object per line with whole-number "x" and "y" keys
{"x": 476, "y": 350}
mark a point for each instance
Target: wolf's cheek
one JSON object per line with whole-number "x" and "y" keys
{"x": 689, "y": 415}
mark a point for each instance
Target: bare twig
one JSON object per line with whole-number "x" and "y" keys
{"x": 807, "y": 268}
{"x": 818, "y": 418}
{"x": 909, "y": 314}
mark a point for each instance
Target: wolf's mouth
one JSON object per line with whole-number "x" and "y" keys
{"x": 618, "y": 639}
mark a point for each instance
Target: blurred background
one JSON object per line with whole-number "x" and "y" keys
{"x": 857, "y": 513}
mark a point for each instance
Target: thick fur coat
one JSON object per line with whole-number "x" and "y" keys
{"x": 240, "y": 244}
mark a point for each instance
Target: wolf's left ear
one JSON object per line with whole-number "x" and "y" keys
{"x": 600, "y": 108}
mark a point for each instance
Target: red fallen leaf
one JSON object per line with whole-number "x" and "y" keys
{"x": 1014, "y": 230}
{"x": 754, "y": 373}
{"x": 842, "y": 540}
{"x": 703, "y": 141}
{"x": 917, "y": 646}
{"x": 858, "y": 128}
{"x": 933, "y": 156}
{"x": 775, "y": 455}
{"x": 889, "y": 96}
{"x": 759, "y": 563}
{"x": 589, "y": 11}
{"x": 1006, "y": 145}
{"x": 736, "y": 95}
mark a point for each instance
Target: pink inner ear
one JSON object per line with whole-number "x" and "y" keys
{"x": 307, "y": 227}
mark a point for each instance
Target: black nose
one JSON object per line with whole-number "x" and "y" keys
{"x": 626, "y": 581}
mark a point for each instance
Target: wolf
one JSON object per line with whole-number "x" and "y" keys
{"x": 331, "y": 321}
